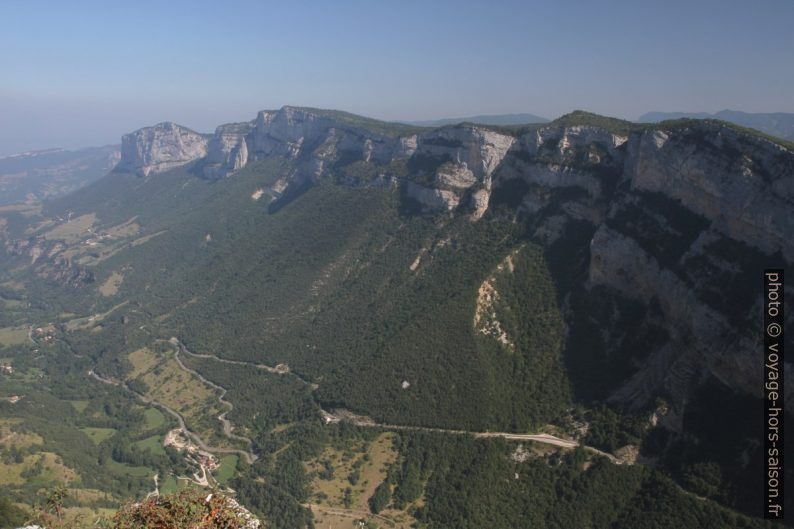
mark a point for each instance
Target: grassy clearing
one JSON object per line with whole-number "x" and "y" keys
{"x": 146, "y": 238}
{"x": 324, "y": 517}
{"x": 124, "y": 469}
{"x": 87, "y": 495}
{"x": 127, "y": 229}
{"x": 97, "y": 435}
{"x": 10, "y": 303}
{"x": 79, "y": 405}
{"x": 171, "y": 484}
{"x": 89, "y": 321}
{"x": 83, "y": 516}
{"x": 179, "y": 390}
{"x": 154, "y": 418}
{"x": 9, "y": 438}
{"x": 226, "y": 471}
{"x": 44, "y": 467}
{"x": 111, "y": 286}
{"x": 29, "y": 208}
{"x": 153, "y": 444}
{"x": 13, "y": 336}
{"x": 143, "y": 361}
{"x": 72, "y": 230}
{"x": 99, "y": 252}
{"x": 372, "y": 463}
{"x": 353, "y": 518}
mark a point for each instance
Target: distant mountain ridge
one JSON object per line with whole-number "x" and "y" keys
{"x": 50, "y": 173}
{"x": 31, "y": 154}
{"x": 483, "y": 119}
{"x": 780, "y": 124}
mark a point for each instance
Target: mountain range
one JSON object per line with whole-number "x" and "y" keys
{"x": 780, "y": 124}
{"x": 40, "y": 175}
{"x": 335, "y": 278}
{"x": 483, "y": 119}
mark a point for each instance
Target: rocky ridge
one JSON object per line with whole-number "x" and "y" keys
{"x": 669, "y": 211}
{"x": 160, "y": 148}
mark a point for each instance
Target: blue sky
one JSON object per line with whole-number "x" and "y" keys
{"x": 83, "y": 73}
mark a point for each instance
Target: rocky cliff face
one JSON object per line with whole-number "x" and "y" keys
{"x": 160, "y": 148}
{"x": 743, "y": 185}
{"x": 674, "y": 225}
{"x": 227, "y": 150}
{"x": 469, "y": 156}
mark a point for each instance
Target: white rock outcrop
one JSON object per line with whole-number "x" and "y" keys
{"x": 227, "y": 151}
{"x": 734, "y": 192}
{"x": 161, "y": 147}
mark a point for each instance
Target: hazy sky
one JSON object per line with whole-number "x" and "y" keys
{"x": 82, "y": 73}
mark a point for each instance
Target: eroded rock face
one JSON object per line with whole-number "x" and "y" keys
{"x": 669, "y": 211}
{"x": 470, "y": 156}
{"x": 160, "y": 148}
{"x": 743, "y": 184}
{"x": 678, "y": 219}
{"x": 432, "y": 199}
{"x": 227, "y": 150}
{"x": 683, "y": 222}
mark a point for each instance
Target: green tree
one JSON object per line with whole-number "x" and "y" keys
{"x": 381, "y": 498}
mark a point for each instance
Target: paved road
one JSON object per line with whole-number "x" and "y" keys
{"x": 544, "y": 438}
{"x": 367, "y": 423}
{"x": 327, "y": 416}
{"x": 227, "y": 426}
{"x": 248, "y": 456}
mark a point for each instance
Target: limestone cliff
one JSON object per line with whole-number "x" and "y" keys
{"x": 160, "y": 148}
{"x": 672, "y": 224}
{"x": 227, "y": 150}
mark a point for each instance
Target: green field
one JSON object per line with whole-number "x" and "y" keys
{"x": 153, "y": 443}
{"x": 72, "y": 230}
{"x": 98, "y": 434}
{"x": 154, "y": 418}
{"x": 51, "y": 470}
{"x": 13, "y": 336}
{"x": 10, "y": 303}
{"x": 123, "y": 468}
{"x": 171, "y": 484}
{"x": 226, "y": 471}
{"x": 79, "y": 405}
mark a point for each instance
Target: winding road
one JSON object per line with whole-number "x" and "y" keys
{"x": 227, "y": 426}
{"x": 249, "y": 457}
{"x": 364, "y": 422}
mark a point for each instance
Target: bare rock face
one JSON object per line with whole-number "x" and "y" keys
{"x": 160, "y": 148}
{"x": 292, "y": 131}
{"x": 432, "y": 199}
{"x": 724, "y": 176}
{"x": 455, "y": 175}
{"x": 480, "y": 149}
{"x": 227, "y": 150}
{"x": 701, "y": 338}
{"x": 667, "y": 212}
{"x": 682, "y": 220}
{"x": 665, "y": 226}
{"x": 565, "y": 142}
{"x": 468, "y": 158}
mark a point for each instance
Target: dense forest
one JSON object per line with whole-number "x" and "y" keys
{"x": 372, "y": 306}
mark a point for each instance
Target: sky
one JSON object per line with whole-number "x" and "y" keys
{"x": 75, "y": 74}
